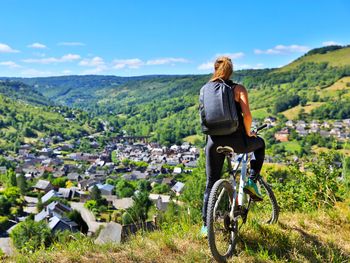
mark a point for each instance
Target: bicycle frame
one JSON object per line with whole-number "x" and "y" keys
{"x": 239, "y": 196}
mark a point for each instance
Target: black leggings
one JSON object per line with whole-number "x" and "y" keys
{"x": 241, "y": 143}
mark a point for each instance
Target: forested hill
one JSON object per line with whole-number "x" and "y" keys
{"x": 315, "y": 85}
{"x": 22, "y": 92}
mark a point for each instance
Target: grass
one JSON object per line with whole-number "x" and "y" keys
{"x": 336, "y": 88}
{"x": 291, "y": 146}
{"x": 292, "y": 114}
{"x": 316, "y": 149}
{"x": 193, "y": 138}
{"x": 319, "y": 236}
{"x": 335, "y": 58}
{"x": 260, "y": 113}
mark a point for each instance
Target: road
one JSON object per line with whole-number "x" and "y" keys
{"x": 5, "y": 245}
{"x": 88, "y": 217}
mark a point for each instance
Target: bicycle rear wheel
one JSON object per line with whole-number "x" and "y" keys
{"x": 222, "y": 232}
{"x": 265, "y": 211}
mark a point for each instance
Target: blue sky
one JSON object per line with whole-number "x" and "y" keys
{"x": 141, "y": 37}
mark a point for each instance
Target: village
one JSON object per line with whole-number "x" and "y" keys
{"x": 337, "y": 129}
{"x": 59, "y": 178}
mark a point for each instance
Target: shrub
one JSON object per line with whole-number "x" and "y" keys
{"x": 29, "y": 235}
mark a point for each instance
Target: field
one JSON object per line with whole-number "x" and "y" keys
{"x": 292, "y": 114}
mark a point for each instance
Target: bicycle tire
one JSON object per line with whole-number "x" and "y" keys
{"x": 269, "y": 206}
{"x": 214, "y": 217}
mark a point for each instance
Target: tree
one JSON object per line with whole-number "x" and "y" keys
{"x": 22, "y": 184}
{"x": 59, "y": 182}
{"x": 29, "y": 235}
{"x": 124, "y": 189}
{"x": 11, "y": 175}
{"x": 96, "y": 194}
{"x": 139, "y": 210}
{"x": 144, "y": 185}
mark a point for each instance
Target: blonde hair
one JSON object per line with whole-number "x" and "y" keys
{"x": 223, "y": 69}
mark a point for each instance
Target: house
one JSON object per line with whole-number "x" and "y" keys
{"x": 326, "y": 125}
{"x": 185, "y": 146}
{"x": 290, "y": 124}
{"x": 74, "y": 177}
{"x": 314, "y": 124}
{"x": 168, "y": 181}
{"x": 335, "y": 132}
{"x": 61, "y": 224}
{"x": 301, "y": 131}
{"x": 49, "y": 195}
{"x": 106, "y": 189}
{"x": 87, "y": 183}
{"x": 177, "y": 170}
{"x": 53, "y": 209}
{"x": 191, "y": 164}
{"x": 270, "y": 120}
{"x": 43, "y": 185}
{"x": 46, "y": 152}
{"x": 161, "y": 201}
{"x": 178, "y": 188}
{"x": 338, "y": 124}
{"x": 57, "y": 174}
{"x": 120, "y": 203}
{"x": 282, "y": 135}
{"x": 300, "y": 124}
{"x": 66, "y": 193}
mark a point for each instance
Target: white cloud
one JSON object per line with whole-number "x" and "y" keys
{"x": 7, "y": 49}
{"x": 96, "y": 62}
{"x": 231, "y": 55}
{"x": 37, "y": 46}
{"x": 248, "y": 66}
{"x": 93, "y": 62}
{"x": 133, "y": 63}
{"x": 9, "y": 64}
{"x": 282, "y": 49}
{"x": 331, "y": 43}
{"x": 206, "y": 66}
{"x": 71, "y": 44}
{"x": 51, "y": 60}
{"x": 36, "y": 73}
{"x": 163, "y": 61}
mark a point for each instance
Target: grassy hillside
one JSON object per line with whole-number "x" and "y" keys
{"x": 22, "y": 92}
{"x": 336, "y": 58}
{"x": 21, "y": 122}
{"x": 322, "y": 236}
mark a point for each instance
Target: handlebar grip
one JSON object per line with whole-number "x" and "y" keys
{"x": 261, "y": 127}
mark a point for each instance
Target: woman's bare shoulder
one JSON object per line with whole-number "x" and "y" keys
{"x": 240, "y": 88}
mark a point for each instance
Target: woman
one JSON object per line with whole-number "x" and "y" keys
{"x": 243, "y": 140}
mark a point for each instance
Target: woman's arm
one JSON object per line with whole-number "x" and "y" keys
{"x": 247, "y": 115}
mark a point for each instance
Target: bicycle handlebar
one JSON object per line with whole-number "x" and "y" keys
{"x": 261, "y": 127}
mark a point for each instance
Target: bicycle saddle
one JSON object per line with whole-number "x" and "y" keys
{"x": 224, "y": 149}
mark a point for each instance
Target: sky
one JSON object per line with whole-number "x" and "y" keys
{"x": 142, "y": 37}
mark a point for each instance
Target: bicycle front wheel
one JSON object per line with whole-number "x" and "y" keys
{"x": 221, "y": 234}
{"x": 265, "y": 211}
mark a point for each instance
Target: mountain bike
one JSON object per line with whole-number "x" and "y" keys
{"x": 228, "y": 205}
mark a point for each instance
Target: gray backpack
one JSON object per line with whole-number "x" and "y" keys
{"x": 217, "y": 108}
